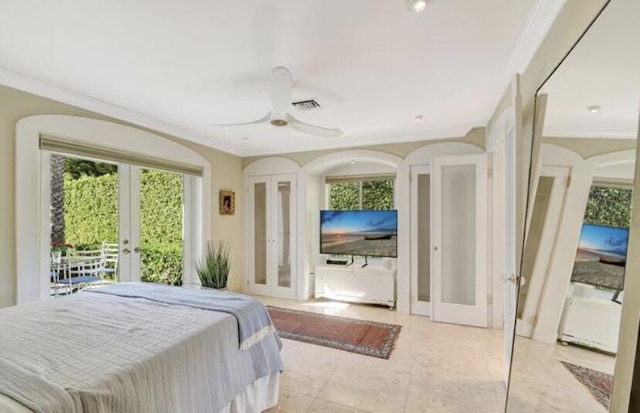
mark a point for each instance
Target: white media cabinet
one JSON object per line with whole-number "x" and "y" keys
{"x": 592, "y": 322}
{"x": 372, "y": 284}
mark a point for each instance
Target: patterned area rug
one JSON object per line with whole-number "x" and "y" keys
{"x": 357, "y": 336}
{"x": 599, "y": 384}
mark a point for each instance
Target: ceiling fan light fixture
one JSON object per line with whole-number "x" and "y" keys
{"x": 416, "y": 6}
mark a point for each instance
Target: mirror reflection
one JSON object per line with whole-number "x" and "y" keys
{"x": 571, "y": 292}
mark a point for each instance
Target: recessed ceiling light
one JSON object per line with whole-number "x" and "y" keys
{"x": 416, "y": 6}
{"x": 353, "y": 161}
{"x": 419, "y": 118}
{"x": 245, "y": 139}
{"x": 594, "y": 108}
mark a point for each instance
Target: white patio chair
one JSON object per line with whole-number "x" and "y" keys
{"x": 84, "y": 268}
{"x": 110, "y": 258}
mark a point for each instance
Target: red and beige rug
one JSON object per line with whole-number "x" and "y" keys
{"x": 599, "y": 384}
{"x": 357, "y": 336}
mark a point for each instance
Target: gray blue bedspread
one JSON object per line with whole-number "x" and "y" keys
{"x": 253, "y": 318}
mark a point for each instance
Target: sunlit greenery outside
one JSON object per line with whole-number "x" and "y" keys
{"x": 609, "y": 206}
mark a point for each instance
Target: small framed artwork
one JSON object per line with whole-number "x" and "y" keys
{"x": 227, "y": 202}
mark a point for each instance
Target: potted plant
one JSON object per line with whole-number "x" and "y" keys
{"x": 213, "y": 269}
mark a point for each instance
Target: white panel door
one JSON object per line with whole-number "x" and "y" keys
{"x": 271, "y": 213}
{"x": 421, "y": 240}
{"x": 459, "y": 235}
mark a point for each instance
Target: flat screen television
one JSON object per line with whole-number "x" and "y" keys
{"x": 601, "y": 257}
{"x": 365, "y": 233}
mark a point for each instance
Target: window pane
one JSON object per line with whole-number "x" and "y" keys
{"x": 344, "y": 196}
{"x": 377, "y": 194}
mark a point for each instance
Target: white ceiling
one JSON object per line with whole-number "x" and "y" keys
{"x": 179, "y": 66}
{"x": 602, "y": 70}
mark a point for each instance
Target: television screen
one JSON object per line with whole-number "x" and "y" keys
{"x": 601, "y": 256}
{"x": 362, "y": 232}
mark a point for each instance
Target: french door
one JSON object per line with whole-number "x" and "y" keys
{"x": 147, "y": 225}
{"x": 421, "y": 240}
{"x": 272, "y": 235}
{"x": 459, "y": 240}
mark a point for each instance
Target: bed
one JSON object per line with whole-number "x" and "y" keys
{"x": 135, "y": 347}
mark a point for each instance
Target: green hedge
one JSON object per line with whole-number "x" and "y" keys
{"x": 609, "y": 206}
{"x": 162, "y": 263}
{"x": 91, "y": 210}
{"x": 91, "y": 216}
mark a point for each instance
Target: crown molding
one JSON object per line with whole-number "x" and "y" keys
{"x": 49, "y": 91}
{"x": 540, "y": 19}
{"x": 589, "y": 132}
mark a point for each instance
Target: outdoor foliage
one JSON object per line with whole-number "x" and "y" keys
{"x": 91, "y": 210}
{"x": 375, "y": 195}
{"x": 609, "y": 206}
{"x": 162, "y": 263}
{"x": 77, "y": 167}
{"x": 344, "y": 196}
{"x": 161, "y": 207}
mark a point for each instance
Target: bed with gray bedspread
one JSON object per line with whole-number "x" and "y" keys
{"x": 135, "y": 348}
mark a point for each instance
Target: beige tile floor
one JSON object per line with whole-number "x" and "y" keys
{"x": 540, "y": 383}
{"x": 433, "y": 368}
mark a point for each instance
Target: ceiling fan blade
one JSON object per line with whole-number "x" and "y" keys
{"x": 281, "y": 89}
{"x": 264, "y": 119}
{"x": 312, "y": 129}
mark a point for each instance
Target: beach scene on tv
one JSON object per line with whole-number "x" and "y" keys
{"x": 601, "y": 256}
{"x": 363, "y": 233}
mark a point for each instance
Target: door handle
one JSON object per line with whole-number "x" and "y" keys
{"x": 125, "y": 251}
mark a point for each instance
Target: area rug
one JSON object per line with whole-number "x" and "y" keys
{"x": 357, "y": 336}
{"x": 599, "y": 384}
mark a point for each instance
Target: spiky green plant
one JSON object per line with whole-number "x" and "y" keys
{"x": 213, "y": 269}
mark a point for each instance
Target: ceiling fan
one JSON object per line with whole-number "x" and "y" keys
{"x": 281, "y": 88}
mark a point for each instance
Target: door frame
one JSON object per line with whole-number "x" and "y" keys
{"x": 416, "y": 306}
{"x": 33, "y": 187}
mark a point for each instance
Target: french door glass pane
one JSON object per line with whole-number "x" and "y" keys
{"x": 161, "y": 226}
{"x": 260, "y": 232}
{"x": 538, "y": 217}
{"x": 424, "y": 237}
{"x": 458, "y": 234}
{"x": 284, "y": 234}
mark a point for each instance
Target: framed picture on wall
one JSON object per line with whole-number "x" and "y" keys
{"x": 227, "y": 202}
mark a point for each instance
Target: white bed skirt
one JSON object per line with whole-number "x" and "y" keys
{"x": 259, "y": 396}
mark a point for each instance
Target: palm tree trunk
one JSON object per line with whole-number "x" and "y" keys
{"x": 57, "y": 199}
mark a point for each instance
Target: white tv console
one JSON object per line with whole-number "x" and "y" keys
{"x": 372, "y": 284}
{"x": 592, "y": 322}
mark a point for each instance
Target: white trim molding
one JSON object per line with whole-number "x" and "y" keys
{"x": 47, "y": 90}
{"x": 542, "y": 16}
{"x": 32, "y": 207}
